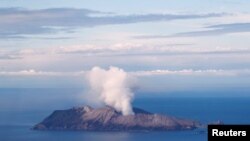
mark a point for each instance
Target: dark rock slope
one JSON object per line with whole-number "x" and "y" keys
{"x": 107, "y": 119}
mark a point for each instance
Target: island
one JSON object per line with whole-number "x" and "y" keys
{"x": 86, "y": 118}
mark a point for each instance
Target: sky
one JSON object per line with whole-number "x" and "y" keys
{"x": 170, "y": 45}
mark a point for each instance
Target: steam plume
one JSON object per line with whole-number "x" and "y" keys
{"x": 112, "y": 87}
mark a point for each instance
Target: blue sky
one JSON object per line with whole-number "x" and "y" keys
{"x": 170, "y": 45}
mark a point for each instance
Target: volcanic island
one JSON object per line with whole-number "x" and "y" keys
{"x": 86, "y": 118}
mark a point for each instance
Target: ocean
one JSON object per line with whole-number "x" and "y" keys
{"x": 22, "y": 108}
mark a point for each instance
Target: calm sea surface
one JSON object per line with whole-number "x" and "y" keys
{"x": 20, "y": 110}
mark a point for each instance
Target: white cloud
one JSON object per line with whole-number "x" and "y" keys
{"x": 126, "y": 55}
{"x": 233, "y": 18}
{"x": 193, "y": 72}
{"x": 16, "y": 22}
{"x": 32, "y": 72}
{"x": 130, "y": 48}
{"x": 184, "y": 72}
{"x": 91, "y": 48}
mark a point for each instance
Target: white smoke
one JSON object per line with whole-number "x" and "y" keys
{"x": 112, "y": 87}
